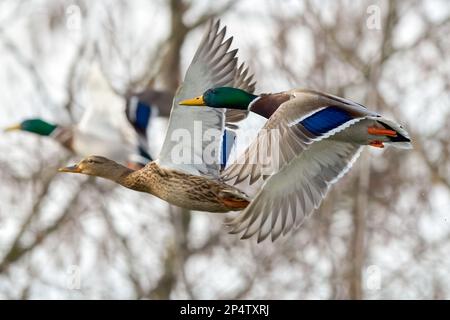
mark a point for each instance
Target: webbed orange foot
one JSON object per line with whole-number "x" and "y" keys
{"x": 134, "y": 165}
{"x": 377, "y": 144}
{"x": 381, "y": 132}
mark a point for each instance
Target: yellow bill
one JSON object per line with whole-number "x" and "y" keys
{"x": 13, "y": 128}
{"x": 197, "y": 101}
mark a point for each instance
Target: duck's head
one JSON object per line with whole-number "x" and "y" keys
{"x": 94, "y": 166}
{"x": 222, "y": 97}
{"x": 37, "y": 126}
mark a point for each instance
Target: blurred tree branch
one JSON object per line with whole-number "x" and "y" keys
{"x": 17, "y": 250}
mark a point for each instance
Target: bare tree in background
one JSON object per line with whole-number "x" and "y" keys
{"x": 382, "y": 232}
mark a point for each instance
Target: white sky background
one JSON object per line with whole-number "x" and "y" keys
{"x": 146, "y": 23}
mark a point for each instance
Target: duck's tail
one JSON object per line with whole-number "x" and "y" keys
{"x": 402, "y": 139}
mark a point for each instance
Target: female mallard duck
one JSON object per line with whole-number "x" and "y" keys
{"x": 310, "y": 141}
{"x": 187, "y": 171}
{"x": 177, "y": 187}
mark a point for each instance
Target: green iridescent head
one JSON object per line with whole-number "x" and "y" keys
{"x": 222, "y": 97}
{"x": 37, "y": 126}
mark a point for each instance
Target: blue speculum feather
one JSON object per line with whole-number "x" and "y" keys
{"x": 140, "y": 119}
{"x": 325, "y": 120}
{"x": 227, "y": 144}
{"x": 143, "y": 113}
{"x": 224, "y": 149}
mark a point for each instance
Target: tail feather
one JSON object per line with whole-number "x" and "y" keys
{"x": 402, "y": 140}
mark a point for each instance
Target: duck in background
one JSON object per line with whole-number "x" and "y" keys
{"x": 101, "y": 130}
{"x": 82, "y": 140}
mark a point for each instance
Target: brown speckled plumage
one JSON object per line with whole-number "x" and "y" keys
{"x": 178, "y": 188}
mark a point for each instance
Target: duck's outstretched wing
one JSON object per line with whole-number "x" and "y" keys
{"x": 291, "y": 195}
{"x": 295, "y": 159}
{"x": 194, "y": 135}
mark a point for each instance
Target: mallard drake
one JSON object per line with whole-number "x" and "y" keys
{"x": 309, "y": 142}
{"x": 87, "y": 137}
{"x": 187, "y": 171}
